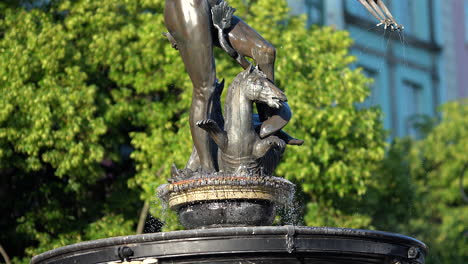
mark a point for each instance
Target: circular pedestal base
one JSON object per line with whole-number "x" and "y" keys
{"x": 228, "y": 213}
{"x": 246, "y": 245}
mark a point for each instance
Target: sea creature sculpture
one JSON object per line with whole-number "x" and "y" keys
{"x": 192, "y": 32}
{"x": 241, "y": 150}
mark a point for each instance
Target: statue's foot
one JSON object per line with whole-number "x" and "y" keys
{"x": 278, "y": 118}
{"x": 289, "y": 139}
{"x": 272, "y": 125}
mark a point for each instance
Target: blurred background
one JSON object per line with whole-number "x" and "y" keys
{"x": 414, "y": 71}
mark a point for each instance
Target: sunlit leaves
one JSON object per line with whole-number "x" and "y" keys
{"x": 439, "y": 166}
{"x": 418, "y": 188}
{"x": 53, "y": 120}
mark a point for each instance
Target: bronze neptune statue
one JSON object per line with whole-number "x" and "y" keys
{"x": 195, "y": 28}
{"x": 241, "y": 148}
{"x": 194, "y": 33}
{"x": 235, "y": 154}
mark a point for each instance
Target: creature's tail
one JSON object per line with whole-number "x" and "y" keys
{"x": 217, "y": 112}
{"x": 222, "y": 16}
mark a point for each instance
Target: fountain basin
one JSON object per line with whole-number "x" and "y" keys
{"x": 227, "y": 201}
{"x": 227, "y": 213}
{"x": 286, "y": 245}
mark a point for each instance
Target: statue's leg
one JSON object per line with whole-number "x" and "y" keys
{"x": 189, "y": 22}
{"x": 194, "y": 161}
{"x": 247, "y": 42}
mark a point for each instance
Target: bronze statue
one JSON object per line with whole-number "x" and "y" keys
{"x": 195, "y": 27}
{"x": 241, "y": 148}
{"x": 193, "y": 33}
{"x": 229, "y": 180}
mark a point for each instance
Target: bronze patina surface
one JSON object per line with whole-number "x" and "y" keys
{"x": 239, "y": 142}
{"x": 191, "y": 28}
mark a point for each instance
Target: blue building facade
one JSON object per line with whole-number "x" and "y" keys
{"x": 407, "y": 67}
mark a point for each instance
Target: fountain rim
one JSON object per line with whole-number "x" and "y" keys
{"x": 235, "y": 231}
{"x": 227, "y": 187}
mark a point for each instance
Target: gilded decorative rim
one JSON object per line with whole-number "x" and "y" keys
{"x": 274, "y": 189}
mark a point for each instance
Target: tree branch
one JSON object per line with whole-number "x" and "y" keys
{"x": 142, "y": 220}
{"x": 5, "y": 255}
{"x": 145, "y": 209}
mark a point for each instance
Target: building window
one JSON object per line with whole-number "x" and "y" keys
{"x": 315, "y": 12}
{"x": 466, "y": 21}
{"x": 372, "y": 99}
{"x": 35, "y": 4}
{"x": 413, "y": 108}
{"x": 407, "y": 15}
{"x": 356, "y": 9}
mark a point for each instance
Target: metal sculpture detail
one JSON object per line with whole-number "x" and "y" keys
{"x": 192, "y": 25}
{"x": 241, "y": 148}
{"x": 195, "y": 27}
{"x": 228, "y": 180}
{"x": 243, "y": 203}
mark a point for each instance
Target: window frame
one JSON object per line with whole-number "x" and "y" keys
{"x": 317, "y": 5}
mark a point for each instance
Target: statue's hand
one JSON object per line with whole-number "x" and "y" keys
{"x": 216, "y": 133}
{"x": 208, "y": 125}
{"x": 222, "y": 15}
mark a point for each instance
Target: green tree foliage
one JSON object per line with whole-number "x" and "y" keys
{"x": 420, "y": 188}
{"x": 439, "y": 166}
{"x": 74, "y": 81}
{"x": 94, "y": 110}
{"x": 343, "y": 142}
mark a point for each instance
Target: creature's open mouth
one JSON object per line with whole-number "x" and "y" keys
{"x": 280, "y": 99}
{"x": 276, "y": 102}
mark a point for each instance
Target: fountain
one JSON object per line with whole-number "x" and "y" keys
{"x": 227, "y": 195}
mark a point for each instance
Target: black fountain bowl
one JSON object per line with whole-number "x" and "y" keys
{"x": 227, "y": 201}
{"x": 227, "y": 213}
{"x": 243, "y": 245}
